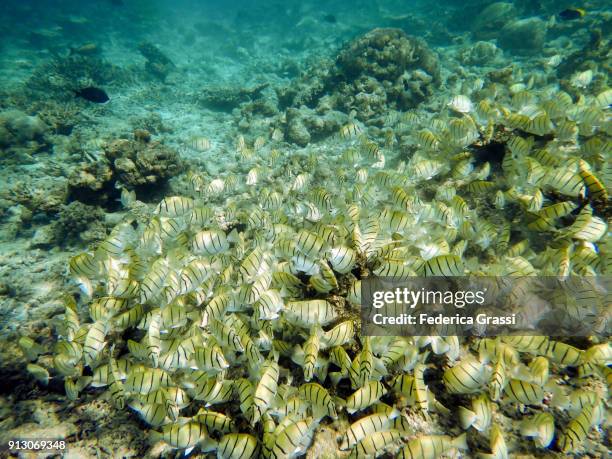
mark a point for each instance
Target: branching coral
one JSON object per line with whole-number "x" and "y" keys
{"x": 158, "y": 64}
{"x": 62, "y": 75}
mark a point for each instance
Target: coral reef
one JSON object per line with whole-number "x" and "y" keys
{"x": 157, "y": 63}
{"x": 61, "y": 76}
{"x": 305, "y": 125}
{"x": 386, "y": 55}
{"x": 479, "y": 53}
{"x": 76, "y": 223}
{"x": 523, "y": 35}
{"x": 487, "y": 24}
{"x": 595, "y": 53}
{"x": 385, "y": 68}
{"x": 309, "y": 87}
{"x": 61, "y": 117}
{"x": 91, "y": 182}
{"x": 226, "y": 98}
{"x": 42, "y": 196}
{"x": 21, "y": 132}
{"x": 138, "y": 163}
{"x": 152, "y": 123}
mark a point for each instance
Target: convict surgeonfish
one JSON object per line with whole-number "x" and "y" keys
{"x": 218, "y": 313}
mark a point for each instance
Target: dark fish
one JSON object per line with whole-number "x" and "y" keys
{"x": 330, "y": 18}
{"x": 92, "y": 94}
{"x": 572, "y": 13}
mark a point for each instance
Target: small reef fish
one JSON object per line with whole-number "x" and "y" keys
{"x": 199, "y": 143}
{"x": 572, "y": 13}
{"x": 92, "y": 94}
{"x": 432, "y": 446}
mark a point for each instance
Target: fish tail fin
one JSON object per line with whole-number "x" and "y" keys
{"x": 466, "y": 418}
{"x": 461, "y": 442}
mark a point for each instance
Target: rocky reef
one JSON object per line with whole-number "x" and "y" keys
{"x": 480, "y": 53}
{"x": 21, "y": 133}
{"x": 385, "y": 64}
{"x": 389, "y": 62}
{"x": 226, "y": 98}
{"x": 385, "y": 68}
{"x": 491, "y": 19}
{"x": 523, "y": 35}
{"x": 157, "y": 63}
{"x": 132, "y": 163}
{"x": 75, "y": 223}
{"x": 59, "y": 77}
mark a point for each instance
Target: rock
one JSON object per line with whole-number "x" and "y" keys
{"x": 480, "y": 53}
{"x": 90, "y": 176}
{"x": 296, "y": 130}
{"x": 44, "y": 237}
{"x": 385, "y": 54}
{"x": 492, "y": 19}
{"x": 226, "y": 98}
{"x": 158, "y": 64}
{"x": 524, "y": 35}
{"x": 19, "y": 130}
{"x": 385, "y": 68}
{"x": 59, "y": 431}
{"x": 76, "y": 218}
{"x": 142, "y": 135}
{"x": 128, "y": 163}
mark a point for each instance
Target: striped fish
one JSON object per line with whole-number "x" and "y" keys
{"x": 498, "y": 381}
{"x": 432, "y": 446}
{"x": 266, "y": 388}
{"x": 375, "y": 444}
{"x": 214, "y": 422}
{"x": 199, "y": 143}
{"x": 479, "y": 416}
{"x": 185, "y": 436}
{"x": 339, "y": 335}
{"x": 365, "y": 426}
{"x": 210, "y": 242}
{"x": 343, "y": 259}
{"x": 350, "y": 130}
{"x": 444, "y": 266}
{"x": 293, "y": 440}
{"x": 366, "y": 396}
{"x": 84, "y": 265}
{"x": 467, "y": 377}
{"x": 319, "y": 398}
{"x": 144, "y": 381}
{"x": 95, "y": 341}
{"x": 213, "y": 391}
{"x": 576, "y": 431}
{"x": 524, "y": 392}
{"x": 310, "y": 312}
{"x": 541, "y": 427}
{"x": 153, "y": 414}
{"x": 563, "y": 354}
{"x": 238, "y": 446}
{"x": 174, "y": 206}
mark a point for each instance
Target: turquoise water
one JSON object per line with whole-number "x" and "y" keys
{"x": 191, "y": 193}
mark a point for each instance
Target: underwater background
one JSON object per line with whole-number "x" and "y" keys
{"x": 192, "y": 191}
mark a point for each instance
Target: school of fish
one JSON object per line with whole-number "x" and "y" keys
{"x": 226, "y": 316}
